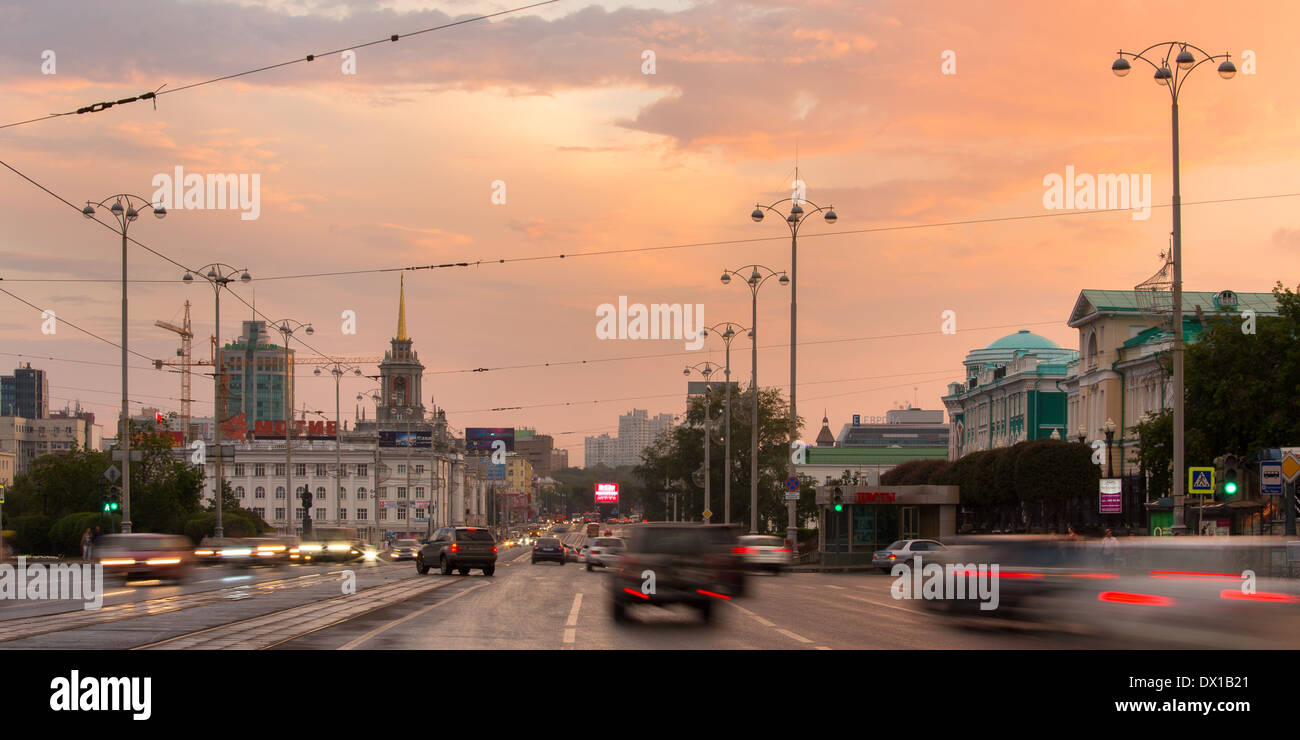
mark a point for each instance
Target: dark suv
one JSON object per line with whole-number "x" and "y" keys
{"x": 677, "y": 563}
{"x": 459, "y": 549}
{"x": 548, "y": 548}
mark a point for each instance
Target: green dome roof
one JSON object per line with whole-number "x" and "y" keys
{"x": 1024, "y": 339}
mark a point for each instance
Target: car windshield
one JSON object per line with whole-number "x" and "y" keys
{"x": 473, "y": 535}
{"x": 547, "y": 541}
{"x": 670, "y": 541}
{"x": 897, "y": 545}
{"x": 405, "y": 543}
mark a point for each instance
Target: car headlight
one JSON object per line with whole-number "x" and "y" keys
{"x": 339, "y": 548}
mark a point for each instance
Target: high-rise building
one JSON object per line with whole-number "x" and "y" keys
{"x": 660, "y": 424}
{"x": 601, "y": 450}
{"x": 254, "y": 378}
{"x": 26, "y": 393}
{"x": 538, "y": 449}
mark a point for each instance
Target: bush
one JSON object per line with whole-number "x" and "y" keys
{"x": 33, "y": 535}
{"x": 65, "y": 535}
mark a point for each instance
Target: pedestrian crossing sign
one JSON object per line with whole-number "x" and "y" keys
{"x": 1200, "y": 481}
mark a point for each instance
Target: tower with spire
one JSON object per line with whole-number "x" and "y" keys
{"x": 825, "y": 438}
{"x": 400, "y": 373}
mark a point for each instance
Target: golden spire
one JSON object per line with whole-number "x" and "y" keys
{"x": 401, "y": 311}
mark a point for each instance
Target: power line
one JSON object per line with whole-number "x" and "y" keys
{"x": 74, "y": 326}
{"x": 155, "y": 94}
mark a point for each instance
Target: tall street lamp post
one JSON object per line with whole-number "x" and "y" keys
{"x": 794, "y": 219}
{"x": 286, "y": 328}
{"x": 219, "y": 275}
{"x": 1109, "y": 429}
{"x": 730, "y": 332}
{"x": 1185, "y": 59}
{"x": 125, "y": 216}
{"x": 707, "y": 371}
{"x": 337, "y": 369}
{"x": 758, "y": 275}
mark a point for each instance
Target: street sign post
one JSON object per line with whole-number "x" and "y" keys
{"x": 1200, "y": 481}
{"x": 792, "y": 483}
{"x": 112, "y": 474}
{"x": 1270, "y": 477}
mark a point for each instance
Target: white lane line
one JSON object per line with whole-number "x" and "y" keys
{"x": 837, "y": 588}
{"x": 792, "y": 635}
{"x": 822, "y": 647}
{"x": 119, "y": 593}
{"x": 570, "y": 635}
{"x": 412, "y": 615}
{"x": 883, "y": 606}
{"x": 573, "y": 613}
{"x": 762, "y": 621}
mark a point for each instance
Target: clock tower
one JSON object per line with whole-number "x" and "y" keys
{"x": 400, "y": 373}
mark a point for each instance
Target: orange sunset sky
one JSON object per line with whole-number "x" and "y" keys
{"x": 394, "y": 166}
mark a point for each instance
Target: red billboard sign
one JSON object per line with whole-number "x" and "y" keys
{"x": 877, "y": 497}
{"x": 606, "y": 493}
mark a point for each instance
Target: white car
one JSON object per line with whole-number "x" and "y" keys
{"x": 763, "y": 552}
{"x": 904, "y": 551}
{"x": 604, "y": 551}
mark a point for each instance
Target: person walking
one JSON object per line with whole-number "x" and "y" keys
{"x": 85, "y": 544}
{"x": 1109, "y": 549}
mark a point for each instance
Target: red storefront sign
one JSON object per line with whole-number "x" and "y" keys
{"x": 877, "y": 497}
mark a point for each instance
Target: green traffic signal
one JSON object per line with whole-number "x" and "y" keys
{"x": 839, "y": 507}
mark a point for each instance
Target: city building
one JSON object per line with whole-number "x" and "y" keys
{"x": 559, "y": 458}
{"x": 538, "y": 449}
{"x": 872, "y": 516}
{"x": 1012, "y": 392}
{"x": 601, "y": 450}
{"x": 254, "y": 380}
{"x": 8, "y": 469}
{"x": 26, "y": 393}
{"x": 27, "y": 439}
{"x": 864, "y": 452}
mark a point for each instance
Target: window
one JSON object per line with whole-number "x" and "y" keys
{"x": 259, "y": 492}
{"x": 343, "y": 494}
{"x": 473, "y": 535}
{"x": 320, "y": 513}
{"x": 260, "y": 511}
{"x": 420, "y": 514}
{"x": 401, "y": 468}
{"x": 279, "y": 469}
{"x": 239, "y": 470}
{"x": 401, "y": 491}
{"x": 259, "y": 469}
{"x": 401, "y": 513}
{"x": 239, "y": 491}
{"x": 343, "y": 514}
{"x": 320, "y": 492}
{"x": 279, "y": 491}
{"x": 361, "y": 494}
{"x": 279, "y": 514}
{"x": 361, "y": 514}
{"x": 300, "y": 470}
{"x": 320, "y": 469}
{"x": 297, "y": 514}
{"x": 361, "y": 470}
{"x": 419, "y": 491}
{"x": 419, "y": 470}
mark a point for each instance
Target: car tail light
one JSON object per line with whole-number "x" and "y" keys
{"x": 455, "y": 547}
{"x": 743, "y": 550}
{"x": 783, "y": 549}
{"x": 1121, "y": 597}
{"x": 710, "y": 593}
{"x": 1232, "y": 593}
{"x": 494, "y": 548}
{"x": 637, "y": 593}
{"x": 892, "y": 556}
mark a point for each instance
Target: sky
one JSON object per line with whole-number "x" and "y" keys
{"x": 543, "y": 132}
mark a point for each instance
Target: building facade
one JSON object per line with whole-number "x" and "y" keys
{"x": 26, "y": 393}
{"x": 600, "y": 450}
{"x": 256, "y": 379}
{"x": 28, "y": 439}
{"x": 1012, "y": 392}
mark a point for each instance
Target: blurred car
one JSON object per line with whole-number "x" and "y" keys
{"x": 336, "y": 544}
{"x": 905, "y": 551}
{"x": 162, "y": 556}
{"x": 605, "y": 551}
{"x": 582, "y": 553}
{"x": 570, "y": 554}
{"x": 272, "y": 550}
{"x": 691, "y": 563}
{"x": 548, "y": 548}
{"x": 459, "y": 549}
{"x": 763, "y": 552}
{"x": 403, "y": 550}
{"x": 223, "y": 550}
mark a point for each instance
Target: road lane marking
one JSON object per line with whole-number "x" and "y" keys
{"x": 119, "y": 593}
{"x": 913, "y": 612}
{"x": 379, "y": 630}
{"x": 822, "y": 647}
{"x": 838, "y": 588}
{"x": 570, "y": 635}
{"x": 762, "y": 621}
{"x": 573, "y": 613}
{"x": 792, "y": 635}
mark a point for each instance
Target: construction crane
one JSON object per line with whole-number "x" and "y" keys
{"x": 184, "y": 353}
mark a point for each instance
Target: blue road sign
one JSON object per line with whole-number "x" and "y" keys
{"x": 1200, "y": 481}
{"x": 792, "y": 483}
{"x": 1270, "y": 477}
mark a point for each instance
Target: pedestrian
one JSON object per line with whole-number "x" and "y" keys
{"x": 1074, "y": 536}
{"x": 1109, "y": 549}
{"x": 85, "y": 544}
{"x": 94, "y": 540}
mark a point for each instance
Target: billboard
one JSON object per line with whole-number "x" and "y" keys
{"x": 607, "y": 493}
{"x": 481, "y": 438}
{"x": 422, "y": 440}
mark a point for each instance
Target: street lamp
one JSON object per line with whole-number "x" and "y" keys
{"x": 731, "y": 332}
{"x": 337, "y": 369}
{"x": 286, "y": 328}
{"x": 124, "y": 216}
{"x": 219, "y": 275}
{"x": 758, "y": 275}
{"x": 707, "y": 371}
{"x": 794, "y": 219}
{"x": 1109, "y": 429}
{"x": 1173, "y": 78}
{"x": 1082, "y": 434}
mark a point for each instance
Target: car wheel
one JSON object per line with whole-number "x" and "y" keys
{"x": 561, "y": 561}
{"x": 588, "y": 566}
{"x": 489, "y": 570}
{"x": 445, "y": 566}
{"x": 420, "y": 567}
{"x": 464, "y": 571}
{"x": 706, "y": 611}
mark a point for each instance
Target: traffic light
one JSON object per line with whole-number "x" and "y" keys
{"x": 838, "y": 500}
{"x": 1231, "y": 475}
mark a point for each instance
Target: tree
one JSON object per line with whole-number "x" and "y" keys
{"x": 1155, "y": 453}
